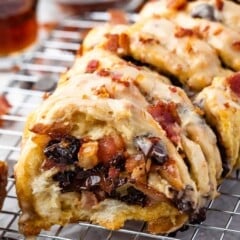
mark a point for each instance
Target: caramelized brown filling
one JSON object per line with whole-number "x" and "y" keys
{"x": 107, "y": 179}
{"x": 113, "y": 173}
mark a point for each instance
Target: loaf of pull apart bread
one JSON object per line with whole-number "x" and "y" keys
{"x": 143, "y": 126}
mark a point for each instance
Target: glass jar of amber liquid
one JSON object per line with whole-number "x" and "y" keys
{"x": 18, "y": 25}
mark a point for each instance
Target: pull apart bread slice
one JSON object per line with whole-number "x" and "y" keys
{"x": 147, "y": 53}
{"x": 166, "y": 46}
{"x": 89, "y": 156}
{"x": 168, "y": 105}
{"x": 223, "y": 38}
{"x": 221, "y": 104}
{"x": 224, "y": 11}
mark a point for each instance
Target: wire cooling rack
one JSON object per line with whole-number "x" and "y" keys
{"x": 39, "y": 73}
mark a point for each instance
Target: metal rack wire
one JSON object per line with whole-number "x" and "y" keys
{"x": 38, "y": 73}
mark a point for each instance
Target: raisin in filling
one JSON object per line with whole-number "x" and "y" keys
{"x": 63, "y": 150}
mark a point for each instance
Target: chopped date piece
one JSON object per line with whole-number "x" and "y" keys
{"x": 63, "y": 150}
{"x": 144, "y": 144}
{"x": 153, "y": 148}
{"x": 204, "y": 10}
{"x": 118, "y": 162}
{"x": 134, "y": 196}
{"x": 103, "y": 72}
{"x": 65, "y": 180}
{"x": 158, "y": 153}
{"x": 183, "y": 201}
{"x": 198, "y": 217}
{"x": 225, "y": 163}
{"x": 184, "y": 205}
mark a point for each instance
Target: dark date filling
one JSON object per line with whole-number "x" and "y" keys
{"x": 110, "y": 177}
{"x": 63, "y": 150}
{"x": 104, "y": 179}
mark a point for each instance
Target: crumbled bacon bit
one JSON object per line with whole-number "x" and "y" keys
{"x": 117, "y": 17}
{"x": 103, "y": 72}
{"x": 46, "y": 95}
{"x": 183, "y": 32}
{"x": 117, "y": 42}
{"x": 226, "y": 105}
{"x": 112, "y": 43}
{"x": 166, "y": 115}
{"x": 219, "y": 4}
{"x": 204, "y": 33}
{"x": 173, "y": 89}
{"x": 124, "y": 42}
{"x": 117, "y": 77}
{"x": 236, "y": 45}
{"x": 148, "y": 40}
{"x": 176, "y": 4}
{"x": 4, "y": 105}
{"x": 234, "y": 83}
{"x": 109, "y": 147}
{"x": 92, "y": 66}
{"x": 80, "y": 51}
{"x": 217, "y": 31}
